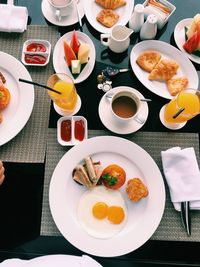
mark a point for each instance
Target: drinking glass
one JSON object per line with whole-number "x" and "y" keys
{"x": 183, "y": 107}
{"x": 68, "y": 101}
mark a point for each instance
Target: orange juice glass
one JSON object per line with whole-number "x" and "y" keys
{"x": 67, "y": 100}
{"x": 189, "y": 100}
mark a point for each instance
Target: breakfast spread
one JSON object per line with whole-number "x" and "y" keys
{"x": 162, "y": 69}
{"x": 107, "y": 16}
{"x": 76, "y": 54}
{"x": 192, "y": 43}
{"x": 4, "y": 96}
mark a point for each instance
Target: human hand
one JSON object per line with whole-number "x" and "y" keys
{"x": 2, "y": 169}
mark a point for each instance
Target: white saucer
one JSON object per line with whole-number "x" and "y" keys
{"x": 64, "y": 113}
{"x": 65, "y": 21}
{"x": 171, "y": 126}
{"x": 111, "y": 124}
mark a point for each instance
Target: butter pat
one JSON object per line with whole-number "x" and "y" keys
{"x": 76, "y": 66}
{"x": 83, "y": 53}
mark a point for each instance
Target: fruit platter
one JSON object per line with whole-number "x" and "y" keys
{"x": 75, "y": 55}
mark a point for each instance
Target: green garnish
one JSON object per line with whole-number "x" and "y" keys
{"x": 111, "y": 180}
{"x": 1, "y": 94}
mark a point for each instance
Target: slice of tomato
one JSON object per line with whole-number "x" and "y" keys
{"x": 192, "y": 43}
{"x": 113, "y": 176}
{"x": 4, "y": 97}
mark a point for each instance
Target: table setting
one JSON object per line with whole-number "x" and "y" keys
{"x": 73, "y": 116}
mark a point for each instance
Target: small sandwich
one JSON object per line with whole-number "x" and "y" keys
{"x": 87, "y": 174}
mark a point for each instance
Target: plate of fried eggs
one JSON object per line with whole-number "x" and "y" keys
{"x": 98, "y": 220}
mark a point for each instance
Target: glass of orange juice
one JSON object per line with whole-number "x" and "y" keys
{"x": 68, "y": 101}
{"x": 180, "y": 109}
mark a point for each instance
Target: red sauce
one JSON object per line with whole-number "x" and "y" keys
{"x": 35, "y": 47}
{"x": 79, "y": 130}
{"x": 35, "y": 59}
{"x": 66, "y": 130}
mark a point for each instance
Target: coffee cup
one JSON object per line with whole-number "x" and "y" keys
{"x": 125, "y": 107}
{"x": 118, "y": 40}
{"x": 61, "y": 8}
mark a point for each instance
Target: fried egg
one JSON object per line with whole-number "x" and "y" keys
{"x": 102, "y": 212}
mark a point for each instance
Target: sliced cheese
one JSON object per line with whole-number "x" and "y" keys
{"x": 76, "y": 66}
{"x": 83, "y": 53}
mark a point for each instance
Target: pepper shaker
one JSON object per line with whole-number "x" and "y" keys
{"x": 137, "y": 19}
{"x": 149, "y": 28}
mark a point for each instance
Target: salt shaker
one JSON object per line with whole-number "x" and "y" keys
{"x": 149, "y": 28}
{"x": 137, "y": 19}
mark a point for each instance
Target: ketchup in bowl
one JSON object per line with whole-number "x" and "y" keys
{"x": 35, "y": 59}
{"x": 66, "y": 130}
{"x": 79, "y": 130}
{"x": 36, "y": 47}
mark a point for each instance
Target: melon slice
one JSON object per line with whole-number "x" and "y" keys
{"x": 83, "y": 53}
{"x": 69, "y": 53}
{"x": 74, "y": 44}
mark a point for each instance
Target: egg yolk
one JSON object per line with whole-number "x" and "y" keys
{"x": 100, "y": 210}
{"x": 116, "y": 214}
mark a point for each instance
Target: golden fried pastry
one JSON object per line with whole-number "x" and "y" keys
{"x": 164, "y": 70}
{"x": 176, "y": 85}
{"x": 136, "y": 189}
{"x": 107, "y": 17}
{"x": 111, "y": 4}
{"x": 148, "y": 60}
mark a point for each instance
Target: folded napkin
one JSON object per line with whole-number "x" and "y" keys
{"x": 183, "y": 176}
{"x": 52, "y": 261}
{"x": 13, "y": 18}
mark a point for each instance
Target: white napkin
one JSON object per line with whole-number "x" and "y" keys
{"x": 183, "y": 176}
{"x": 52, "y": 261}
{"x": 13, "y": 18}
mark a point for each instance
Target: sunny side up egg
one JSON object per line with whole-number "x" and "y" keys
{"x": 102, "y": 212}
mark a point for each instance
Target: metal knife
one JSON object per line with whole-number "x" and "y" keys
{"x": 186, "y": 217}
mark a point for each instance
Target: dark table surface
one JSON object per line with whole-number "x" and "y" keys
{"x": 21, "y": 199}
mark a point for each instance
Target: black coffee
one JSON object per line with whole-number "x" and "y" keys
{"x": 124, "y": 106}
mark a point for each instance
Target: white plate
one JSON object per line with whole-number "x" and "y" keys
{"x": 143, "y": 217}
{"x": 59, "y": 63}
{"x": 179, "y": 37}
{"x": 53, "y": 260}
{"x": 92, "y": 9}
{"x": 19, "y": 110}
{"x": 167, "y": 51}
{"x": 65, "y": 20}
{"x": 110, "y": 123}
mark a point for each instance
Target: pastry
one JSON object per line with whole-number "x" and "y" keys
{"x": 164, "y": 70}
{"x": 136, "y": 189}
{"x": 107, "y": 17}
{"x": 111, "y": 4}
{"x": 176, "y": 85}
{"x": 148, "y": 60}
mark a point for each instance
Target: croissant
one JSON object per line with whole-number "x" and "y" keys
{"x": 111, "y": 4}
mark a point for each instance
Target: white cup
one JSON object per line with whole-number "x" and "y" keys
{"x": 118, "y": 40}
{"x": 61, "y": 8}
{"x": 125, "y": 107}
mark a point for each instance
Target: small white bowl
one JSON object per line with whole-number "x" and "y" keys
{"x": 73, "y": 120}
{"x": 161, "y": 21}
{"x": 46, "y": 54}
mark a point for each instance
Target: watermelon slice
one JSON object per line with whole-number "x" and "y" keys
{"x": 69, "y": 53}
{"x": 74, "y": 44}
{"x": 192, "y": 43}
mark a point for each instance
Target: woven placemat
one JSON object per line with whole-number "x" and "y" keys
{"x": 170, "y": 227}
{"x": 30, "y": 144}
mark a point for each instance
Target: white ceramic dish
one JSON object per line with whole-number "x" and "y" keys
{"x": 110, "y": 123}
{"x": 161, "y": 22}
{"x": 186, "y": 68}
{"x": 179, "y": 37}
{"x": 59, "y": 63}
{"x": 46, "y": 54}
{"x": 143, "y": 218}
{"x": 65, "y": 21}
{"x": 92, "y": 9}
{"x": 16, "y": 115}
{"x": 73, "y": 120}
